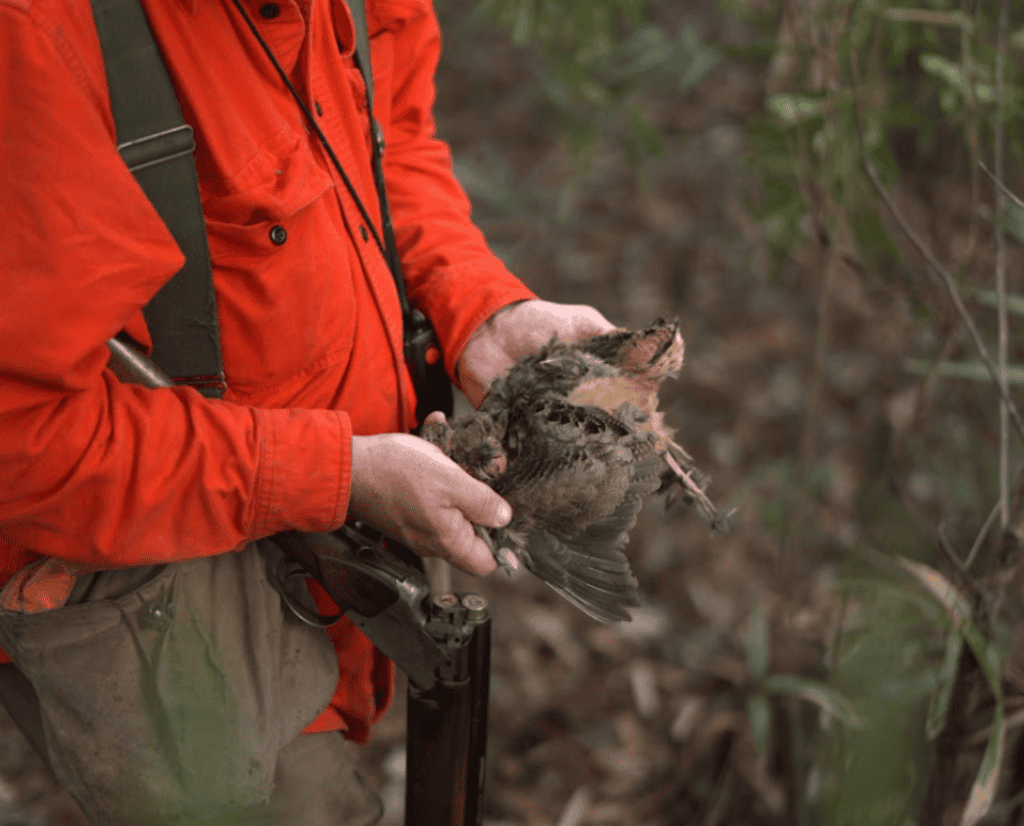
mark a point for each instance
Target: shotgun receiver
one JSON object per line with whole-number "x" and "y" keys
{"x": 442, "y": 642}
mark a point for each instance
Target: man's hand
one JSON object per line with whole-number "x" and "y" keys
{"x": 411, "y": 491}
{"x": 516, "y": 331}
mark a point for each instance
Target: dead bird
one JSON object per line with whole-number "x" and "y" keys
{"x": 572, "y": 438}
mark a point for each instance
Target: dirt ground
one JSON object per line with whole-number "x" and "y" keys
{"x": 646, "y": 723}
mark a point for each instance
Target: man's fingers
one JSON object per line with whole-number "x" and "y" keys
{"x": 475, "y": 558}
{"x": 483, "y": 560}
{"x": 481, "y": 505}
{"x": 460, "y": 546}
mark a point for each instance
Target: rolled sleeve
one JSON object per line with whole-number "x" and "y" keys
{"x": 303, "y": 473}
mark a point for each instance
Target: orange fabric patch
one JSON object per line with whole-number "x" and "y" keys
{"x": 39, "y": 586}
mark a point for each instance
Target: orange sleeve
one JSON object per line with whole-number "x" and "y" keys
{"x": 92, "y": 470}
{"x": 451, "y": 274}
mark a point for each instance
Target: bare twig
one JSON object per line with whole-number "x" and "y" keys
{"x": 932, "y": 18}
{"x": 1000, "y": 236}
{"x": 952, "y": 556}
{"x": 934, "y": 265}
{"x": 973, "y": 141}
{"x": 830, "y": 229}
{"x": 980, "y": 539}
{"x": 1018, "y": 477}
{"x": 578, "y": 807}
{"x": 719, "y": 800}
{"x": 1000, "y": 185}
{"x": 813, "y": 404}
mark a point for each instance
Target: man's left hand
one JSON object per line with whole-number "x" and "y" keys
{"x": 516, "y": 331}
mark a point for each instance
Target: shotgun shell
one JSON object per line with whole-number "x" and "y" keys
{"x": 476, "y": 607}
{"x": 443, "y": 606}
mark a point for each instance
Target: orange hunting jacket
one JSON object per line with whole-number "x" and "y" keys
{"x": 110, "y": 475}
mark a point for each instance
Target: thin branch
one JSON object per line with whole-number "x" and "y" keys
{"x": 1000, "y": 236}
{"x": 973, "y": 139}
{"x": 979, "y": 540}
{"x": 983, "y": 611}
{"x": 1000, "y": 185}
{"x": 951, "y": 555}
{"x": 934, "y": 265}
{"x": 933, "y": 18}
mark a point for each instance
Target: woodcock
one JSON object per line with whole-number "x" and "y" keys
{"x": 572, "y": 438}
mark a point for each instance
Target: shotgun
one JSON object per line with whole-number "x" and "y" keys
{"x": 442, "y": 642}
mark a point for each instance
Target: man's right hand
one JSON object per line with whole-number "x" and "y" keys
{"x": 408, "y": 489}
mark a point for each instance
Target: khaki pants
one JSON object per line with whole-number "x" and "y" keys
{"x": 175, "y": 695}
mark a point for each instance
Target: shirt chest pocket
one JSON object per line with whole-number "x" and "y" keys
{"x": 280, "y": 261}
{"x": 278, "y": 179}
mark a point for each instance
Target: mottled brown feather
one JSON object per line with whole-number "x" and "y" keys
{"x": 572, "y": 438}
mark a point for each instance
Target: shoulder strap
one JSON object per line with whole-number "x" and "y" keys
{"x": 422, "y": 354}
{"x": 358, "y": 11}
{"x": 357, "y": 8}
{"x": 157, "y": 146}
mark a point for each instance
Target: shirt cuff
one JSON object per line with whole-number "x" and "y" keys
{"x": 482, "y": 292}
{"x": 303, "y": 473}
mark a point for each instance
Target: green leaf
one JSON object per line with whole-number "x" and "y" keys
{"x": 983, "y": 791}
{"x": 984, "y": 92}
{"x": 990, "y": 298}
{"x": 990, "y": 659}
{"x": 938, "y": 707}
{"x": 945, "y": 69}
{"x": 794, "y": 109}
{"x": 970, "y": 370}
{"x": 646, "y": 49}
{"x": 692, "y": 58}
{"x": 760, "y": 717}
{"x": 903, "y": 593}
{"x": 524, "y": 19}
{"x": 755, "y": 643}
{"x": 1013, "y": 222}
{"x": 825, "y": 696}
{"x": 956, "y": 607}
{"x": 594, "y": 92}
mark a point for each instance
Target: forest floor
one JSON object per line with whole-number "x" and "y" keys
{"x": 646, "y": 724}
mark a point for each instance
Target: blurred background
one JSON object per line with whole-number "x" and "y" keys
{"x": 851, "y": 652}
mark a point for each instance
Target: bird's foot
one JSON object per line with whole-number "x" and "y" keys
{"x": 694, "y": 493}
{"x": 436, "y": 430}
{"x": 505, "y": 557}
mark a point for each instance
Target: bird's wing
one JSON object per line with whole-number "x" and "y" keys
{"x": 585, "y": 474}
{"x": 587, "y": 566}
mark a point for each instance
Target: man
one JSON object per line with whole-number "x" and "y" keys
{"x": 171, "y": 686}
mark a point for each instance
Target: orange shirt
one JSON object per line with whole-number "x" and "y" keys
{"x": 111, "y": 475}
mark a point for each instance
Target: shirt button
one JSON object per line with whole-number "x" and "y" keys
{"x": 268, "y": 11}
{"x": 364, "y": 233}
{"x": 278, "y": 234}
{"x": 319, "y": 109}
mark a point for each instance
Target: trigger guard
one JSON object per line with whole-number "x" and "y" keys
{"x": 286, "y": 572}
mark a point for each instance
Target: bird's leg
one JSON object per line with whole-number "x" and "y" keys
{"x": 704, "y": 504}
{"x": 505, "y": 558}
